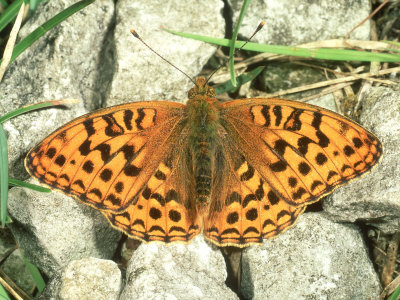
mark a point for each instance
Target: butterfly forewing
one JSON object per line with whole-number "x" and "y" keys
{"x": 105, "y": 158}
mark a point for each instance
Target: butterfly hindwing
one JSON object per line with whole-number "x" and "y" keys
{"x": 244, "y": 207}
{"x": 160, "y": 213}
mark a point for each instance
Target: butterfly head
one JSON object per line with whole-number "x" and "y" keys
{"x": 201, "y": 88}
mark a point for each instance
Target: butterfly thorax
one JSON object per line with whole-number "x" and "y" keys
{"x": 203, "y": 120}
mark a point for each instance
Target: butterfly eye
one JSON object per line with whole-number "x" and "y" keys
{"x": 211, "y": 92}
{"x": 192, "y": 93}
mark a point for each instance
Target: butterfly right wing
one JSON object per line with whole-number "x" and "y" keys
{"x": 100, "y": 158}
{"x": 123, "y": 161}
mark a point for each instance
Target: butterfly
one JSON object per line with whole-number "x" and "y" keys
{"x": 238, "y": 171}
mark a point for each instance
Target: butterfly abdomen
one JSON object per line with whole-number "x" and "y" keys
{"x": 203, "y": 120}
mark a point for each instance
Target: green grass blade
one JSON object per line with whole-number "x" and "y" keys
{"x": 321, "y": 53}
{"x": 10, "y": 13}
{"x": 25, "y": 109}
{"x": 41, "y": 30}
{"x": 242, "y": 79}
{"x": 3, "y": 4}
{"x": 3, "y": 176}
{"x": 233, "y": 41}
{"x": 395, "y": 294}
{"x": 17, "y": 182}
{"x": 36, "y": 276}
{"x": 34, "y": 3}
{"x": 3, "y": 293}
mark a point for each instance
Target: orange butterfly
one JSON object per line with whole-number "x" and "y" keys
{"x": 237, "y": 171}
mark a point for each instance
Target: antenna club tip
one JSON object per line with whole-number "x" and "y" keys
{"x": 134, "y": 33}
{"x": 261, "y": 25}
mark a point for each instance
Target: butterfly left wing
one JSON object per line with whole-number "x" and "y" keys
{"x": 285, "y": 153}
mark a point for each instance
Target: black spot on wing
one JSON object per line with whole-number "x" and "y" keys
{"x": 280, "y": 146}
{"x": 267, "y": 117}
{"x": 273, "y": 198}
{"x": 357, "y": 142}
{"x": 51, "y": 152}
{"x": 140, "y": 118}
{"x": 119, "y": 187}
{"x": 89, "y": 127}
{"x": 232, "y": 218}
{"x": 321, "y": 159}
{"x": 247, "y": 199}
{"x": 302, "y": 144}
{"x": 348, "y": 151}
{"x": 292, "y": 181}
{"x": 84, "y": 148}
{"x": 79, "y": 183}
{"x": 248, "y": 174}
{"x": 316, "y": 123}
{"x": 88, "y": 166}
{"x": 105, "y": 150}
{"x": 277, "y": 110}
{"x": 155, "y": 213}
{"x": 304, "y": 168}
{"x": 174, "y": 215}
{"x": 300, "y": 192}
{"x": 278, "y": 166}
{"x": 293, "y": 122}
{"x": 113, "y": 128}
{"x": 132, "y": 171}
{"x": 315, "y": 184}
{"x": 128, "y": 115}
{"x": 60, "y": 160}
{"x": 323, "y": 139}
{"x": 128, "y": 151}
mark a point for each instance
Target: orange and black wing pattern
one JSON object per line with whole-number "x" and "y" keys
{"x": 120, "y": 160}
{"x": 277, "y": 157}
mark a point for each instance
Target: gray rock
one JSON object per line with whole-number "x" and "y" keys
{"x": 86, "y": 279}
{"x": 374, "y": 198}
{"x": 177, "y": 271}
{"x": 141, "y": 75}
{"x": 91, "y": 278}
{"x": 54, "y": 229}
{"x": 65, "y": 63}
{"x": 290, "y": 22}
{"x": 316, "y": 259}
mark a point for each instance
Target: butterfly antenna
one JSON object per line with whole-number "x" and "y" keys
{"x": 259, "y": 27}
{"x": 136, "y": 35}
